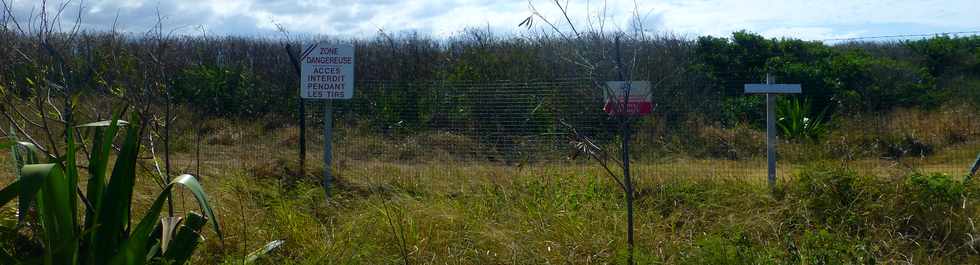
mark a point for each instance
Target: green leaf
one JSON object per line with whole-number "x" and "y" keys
{"x": 796, "y": 120}
{"x": 188, "y": 237}
{"x": 154, "y": 251}
{"x": 134, "y": 250}
{"x": 71, "y": 176}
{"x": 107, "y": 123}
{"x": 113, "y": 210}
{"x": 29, "y": 187}
{"x": 98, "y": 164}
{"x": 191, "y": 183}
{"x": 25, "y": 154}
{"x": 55, "y": 212}
{"x": 29, "y": 155}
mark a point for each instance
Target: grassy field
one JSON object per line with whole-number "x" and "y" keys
{"x": 385, "y": 213}
{"x": 480, "y": 213}
{"x": 688, "y": 210}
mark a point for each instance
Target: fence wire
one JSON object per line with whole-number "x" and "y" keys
{"x": 510, "y": 123}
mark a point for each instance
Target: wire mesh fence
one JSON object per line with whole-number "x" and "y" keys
{"x": 525, "y": 124}
{"x": 506, "y": 122}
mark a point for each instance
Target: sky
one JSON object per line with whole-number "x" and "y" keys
{"x": 809, "y": 20}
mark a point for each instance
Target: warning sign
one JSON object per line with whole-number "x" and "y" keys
{"x": 327, "y": 71}
{"x": 640, "y": 99}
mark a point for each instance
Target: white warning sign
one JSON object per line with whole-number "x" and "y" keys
{"x": 327, "y": 71}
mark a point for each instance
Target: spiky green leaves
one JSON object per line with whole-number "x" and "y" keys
{"x": 106, "y": 236}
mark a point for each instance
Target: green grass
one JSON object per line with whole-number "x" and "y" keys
{"x": 688, "y": 210}
{"x": 486, "y": 214}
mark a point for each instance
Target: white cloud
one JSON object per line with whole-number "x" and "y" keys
{"x": 810, "y": 33}
{"x": 820, "y": 19}
{"x": 363, "y": 18}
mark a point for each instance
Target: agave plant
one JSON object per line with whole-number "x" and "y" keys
{"x": 94, "y": 226}
{"x": 796, "y": 120}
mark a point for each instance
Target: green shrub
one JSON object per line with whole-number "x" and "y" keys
{"x": 837, "y": 197}
{"x": 750, "y": 110}
{"x": 937, "y": 208}
{"x": 797, "y": 121}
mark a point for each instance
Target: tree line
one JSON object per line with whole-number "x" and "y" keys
{"x": 243, "y": 77}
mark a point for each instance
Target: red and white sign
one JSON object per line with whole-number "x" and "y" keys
{"x": 640, "y": 99}
{"x": 327, "y": 71}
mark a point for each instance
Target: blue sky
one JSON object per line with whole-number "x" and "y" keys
{"x": 811, "y": 20}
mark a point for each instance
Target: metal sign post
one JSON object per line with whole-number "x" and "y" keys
{"x": 294, "y": 60}
{"x": 770, "y": 135}
{"x": 973, "y": 169}
{"x": 327, "y": 146}
{"x": 771, "y": 90}
{"x": 327, "y": 73}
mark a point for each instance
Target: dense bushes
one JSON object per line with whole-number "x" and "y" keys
{"x": 835, "y": 77}
{"x": 220, "y": 91}
{"x": 939, "y": 208}
{"x": 922, "y": 203}
{"x": 413, "y": 85}
{"x": 242, "y": 77}
{"x": 827, "y": 215}
{"x": 933, "y": 209}
{"x": 837, "y": 198}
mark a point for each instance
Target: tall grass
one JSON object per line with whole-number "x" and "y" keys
{"x": 690, "y": 210}
{"x": 385, "y": 213}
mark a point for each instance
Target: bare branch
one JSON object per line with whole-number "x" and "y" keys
{"x": 9, "y": 13}
{"x": 534, "y": 12}
{"x": 583, "y": 144}
{"x": 20, "y": 130}
{"x": 564, "y": 13}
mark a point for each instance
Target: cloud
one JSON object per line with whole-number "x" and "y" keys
{"x": 819, "y": 19}
{"x": 826, "y": 19}
{"x": 810, "y": 33}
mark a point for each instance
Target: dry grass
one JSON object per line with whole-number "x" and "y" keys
{"x": 480, "y": 213}
{"x": 948, "y": 125}
{"x": 384, "y": 210}
{"x": 487, "y": 214}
